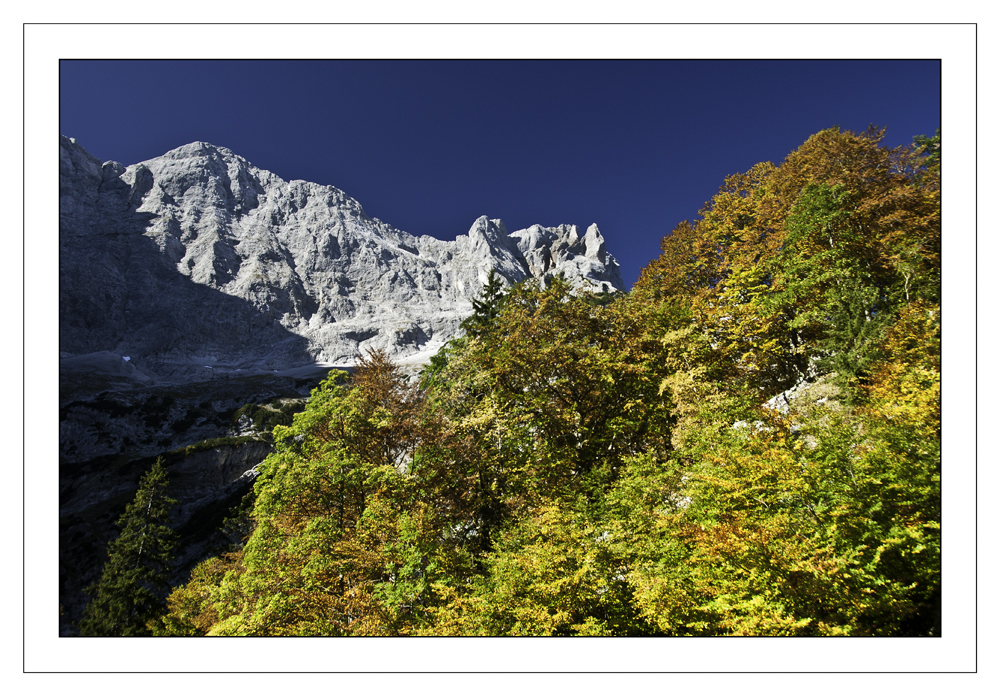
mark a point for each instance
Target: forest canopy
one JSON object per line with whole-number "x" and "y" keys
{"x": 747, "y": 443}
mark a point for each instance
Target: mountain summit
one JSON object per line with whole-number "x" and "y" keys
{"x": 198, "y": 258}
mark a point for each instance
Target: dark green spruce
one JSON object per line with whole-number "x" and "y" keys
{"x": 135, "y": 578}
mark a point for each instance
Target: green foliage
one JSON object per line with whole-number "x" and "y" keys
{"x": 486, "y": 307}
{"x": 821, "y": 527}
{"x": 266, "y": 417}
{"x": 594, "y": 464}
{"x": 928, "y": 148}
{"x": 555, "y": 572}
{"x": 191, "y": 611}
{"x": 205, "y": 445}
{"x": 845, "y": 304}
{"x": 134, "y": 580}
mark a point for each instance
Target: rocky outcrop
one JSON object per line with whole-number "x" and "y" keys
{"x": 197, "y": 260}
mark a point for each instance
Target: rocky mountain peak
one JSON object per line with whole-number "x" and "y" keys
{"x": 198, "y": 257}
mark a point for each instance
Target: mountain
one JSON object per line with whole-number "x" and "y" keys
{"x": 196, "y": 265}
{"x": 198, "y": 260}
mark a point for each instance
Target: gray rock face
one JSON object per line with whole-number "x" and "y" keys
{"x": 197, "y": 260}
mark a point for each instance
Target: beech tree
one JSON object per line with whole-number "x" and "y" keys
{"x": 824, "y": 521}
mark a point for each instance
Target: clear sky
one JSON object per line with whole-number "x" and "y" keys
{"x": 428, "y": 146}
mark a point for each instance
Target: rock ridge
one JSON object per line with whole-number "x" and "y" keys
{"x": 199, "y": 260}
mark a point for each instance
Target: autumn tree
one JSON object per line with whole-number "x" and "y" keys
{"x": 192, "y": 607}
{"x": 358, "y": 515}
{"x": 799, "y": 268}
{"x": 748, "y": 443}
{"x": 822, "y": 271}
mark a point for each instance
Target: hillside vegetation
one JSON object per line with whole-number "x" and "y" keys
{"x": 747, "y": 443}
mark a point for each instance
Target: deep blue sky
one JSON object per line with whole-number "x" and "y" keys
{"x": 429, "y": 146}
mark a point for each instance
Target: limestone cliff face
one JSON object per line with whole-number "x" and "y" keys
{"x": 197, "y": 258}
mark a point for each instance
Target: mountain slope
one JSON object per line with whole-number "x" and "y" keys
{"x": 199, "y": 258}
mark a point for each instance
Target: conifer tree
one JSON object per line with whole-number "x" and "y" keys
{"x": 134, "y": 580}
{"x": 486, "y": 307}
